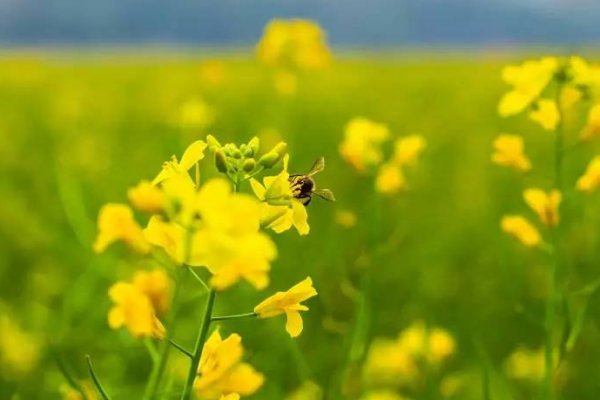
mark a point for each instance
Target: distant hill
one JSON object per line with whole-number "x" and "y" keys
{"x": 349, "y": 22}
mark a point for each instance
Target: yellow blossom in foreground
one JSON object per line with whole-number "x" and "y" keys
{"x": 389, "y": 363}
{"x": 279, "y": 210}
{"x": 414, "y": 338}
{"x": 441, "y": 345}
{"x": 146, "y": 197}
{"x": 528, "y": 81}
{"x": 546, "y": 114}
{"x": 19, "y": 350}
{"x": 569, "y": 97}
{"x": 390, "y": 179}
{"x": 156, "y": 286}
{"x": 116, "y": 223}
{"x": 345, "y": 218}
{"x": 522, "y": 230}
{"x": 221, "y": 371}
{"x": 592, "y": 129}
{"x": 526, "y": 364}
{"x": 383, "y": 395}
{"x": 193, "y": 154}
{"x": 361, "y": 146}
{"x": 509, "y": 152}
{"x": 288, "y": 303}
{"x": 583, "y": 73}
{"x": 408, "y": 149}
{"x": 295, "y": 43}
{"x": 196, "y": 114}
{"x": 133, "y": 309}
{"x": 544, "y": 204}
{"x": 232, "y": 396}
{"x": 591, "y": 179}
{"x": 286, "y": 83}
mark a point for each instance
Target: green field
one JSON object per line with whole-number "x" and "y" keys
{"x": 76, "y": 132}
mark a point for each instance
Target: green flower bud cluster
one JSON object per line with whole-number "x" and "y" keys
{"x": 240, "y": 162}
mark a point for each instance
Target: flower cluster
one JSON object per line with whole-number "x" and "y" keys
{"x": 214, "y": 226}
{"x": 362, "y": 149}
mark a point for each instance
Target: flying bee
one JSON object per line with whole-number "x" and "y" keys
{"x": 303, "y": 186}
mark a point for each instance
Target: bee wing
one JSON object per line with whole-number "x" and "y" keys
{"x": 317, "y": 167}
{"x": 324, "y": 194}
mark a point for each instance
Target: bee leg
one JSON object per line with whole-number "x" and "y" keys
{"x": 305, "y": 200}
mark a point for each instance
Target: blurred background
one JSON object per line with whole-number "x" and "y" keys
{"x": 95, "y": 96}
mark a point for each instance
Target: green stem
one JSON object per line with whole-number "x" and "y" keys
{"x": 189, "y": 268}
{"x": 202, "y": 335}
{"x": 234, "y": 316}
{"x": 181, "y": 349}
{"x": 151, "y": 350}
{"x": 66, "y": 371}
{"x": 95, "y": 379}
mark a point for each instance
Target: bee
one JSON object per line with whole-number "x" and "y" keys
{"x": 303, "y": 186}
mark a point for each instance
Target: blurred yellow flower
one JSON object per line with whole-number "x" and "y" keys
{"x": 156, "y": 286}
{"x": 584, "y": 74}
{"x": 435, "y": 344}
{"x": 213, "y": 72}
{"x": 383, "y": 395}
{"x": 232, "y": 396}
{"x": 544, "y": 204}
{"x": 196, "y": 114}
{"x": 408, "y": 149}
{"x": 361, "y": 146}
{"x": 309, "y": 390}
{"x": 288, "y": 303}
{"x": 546, "y": 114}
{"x": 592, "y": 129}
{"x": 414, "y": 338}
{"x": 390, "y": 179}
{"x": 193, "y": 154}
{"x": 441, "y": 345}
{"x": 71, "y": 394}
{"x": 221, "y": 371}
{"x": 116, "y": 223}
{"x": 19, "y": 350}
{"x": 388, "y": 362}
{"x": 146, "y": 197}
{"x": 286, "y": 83}
{"x": 569, "y": 97}
{"x": 295, "y": 43}
{"x": 528, "y": 81}
{"x": 134, "y": 310}
{"x": 279, "y": 209}
{"x": 345, "y": 218}
{"x": 451, "y": 384}
{"x": 526, "y": 364}
{"x": 591, "y": 179}
{"x": 521, "y": 229}
{"x": 509, "y": 152}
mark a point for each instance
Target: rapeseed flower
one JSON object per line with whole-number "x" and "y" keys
{"x": 279, "y": 209}
{"x": 526, "y": 364}
{"x": 19, "y": 350}
{"x": 147, "y": 197}
{"x": 221, "y": 371}
{"x": 288, "y": 303}
{"x": 133, "y": 309}
{"x": 441, "y": 345}
{"x": 390, "y": 179}
{"x": 116, "y": 223}
{"x": 545, "y": 205}
{"x": 196, "y": 114}
{"x": 408, "y": 149}
{"x": 193, "y": 154}
{"x": 546, "y": 114}
{"x": 345, "y": 218}
{"x": 523, "y": 230}
{"x": 528, "y": 81}
{"x": 509, "y": 152}
{"x": 583, "y": 74}
{"x": 156, "y": 286}
{"x": 286, "y": 83}
{"x": 590, "y": 181}
{"x": 592, "y": 129}
{"x": 389, "y": 363}
{"x": 361, "y": 146}
{"x": 309, "y": 390}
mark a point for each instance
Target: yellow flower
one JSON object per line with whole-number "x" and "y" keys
{"x": 295, "y": 43}
{"x": 584, "y": 74}
{"x": 441, "y": 345}
{"x": 361, "y": 146}
{"x": 509, "y": 152}
{"x": 19, "y": 350}
{"x": 591, "y": 179}
{"x": 115, "y": 222}
{"x": 288, "y": 303}
{"x": 71, "y": 394}
{"x": 544, "y": 204}
{"x": 383, "y": 395}
{"x": 389, "y": 363}
{"x": 232, "y": 396}
{"x": 307, "y": 391}
{"x": 390, "y": 179}
{"x": 134, "y": 310}
{"x": 221, "y": 371}
{"x": 414, "y": 338}
{"x": 196, "y": 114}
{"x": 526, "y": 364}
{"x": 408, "y": 149}
{"x": 146, "y": 197}
{"x": 521, "y": 229}
{"x": 279, "y": 210}
{"x": 286, "y": 83}
{"x": 156, "y": 286}
{"x": 345, "y": 218}
{"x": 193, "y": 154}
{"x": 528, "y": 81}
{"x": 546, "y": 114}
{"x": 592, "y": 129}
{"x": 569, "y": 97}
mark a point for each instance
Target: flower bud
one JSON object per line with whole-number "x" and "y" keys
{"x": 229, "y": 148}
{"x": 237, "y": 154}
{"x": 221, "y": 161}
{"x": 253, "y": 145}
{"x": 249, "y": 165}
{"x": 212, "y": 142}
{"x": 280, "y": 149}
{"x": 269, "y": 160}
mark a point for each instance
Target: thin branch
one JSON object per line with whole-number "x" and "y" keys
{"x": 95, "y": 379}
{"x": 235, "y": 316}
